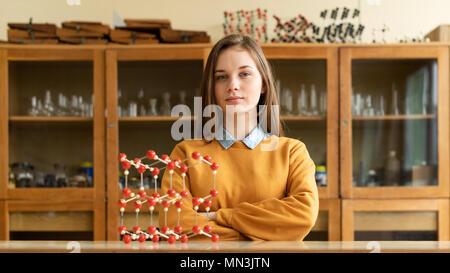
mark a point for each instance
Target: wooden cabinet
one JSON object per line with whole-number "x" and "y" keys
{"x": 352, "y": 144}
{"x": 44, "y": 139}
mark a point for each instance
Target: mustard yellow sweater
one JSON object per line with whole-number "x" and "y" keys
{"x": 263, "y": 195}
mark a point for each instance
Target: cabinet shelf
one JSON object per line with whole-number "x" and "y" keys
{"x": 302, "y": 118}
{"x": 394, "y": 117}
{"x": 170, "y": 118}
{"x": 50, "y": 122}
{"x": 152, "y": 118}
{"x": 48, "y": 119}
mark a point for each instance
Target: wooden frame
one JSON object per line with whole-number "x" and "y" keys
{"x": 333, "y": 207}
{"x": 439, "y": 53}
{"x": 439, "y": 205}
{"x": 330, "y": 54}
{"x": 91, "y": 197}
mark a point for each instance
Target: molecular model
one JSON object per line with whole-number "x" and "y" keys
{"x": 294, "y": 30}
{"x": 334, "y": 29}
{"x": 250, "y": 22}
{"x": 167, "y": 200}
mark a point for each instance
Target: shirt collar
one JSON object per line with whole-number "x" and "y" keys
{"x": 251, "y": 141}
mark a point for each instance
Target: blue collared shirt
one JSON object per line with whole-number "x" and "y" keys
{"x": 251, "y": 141}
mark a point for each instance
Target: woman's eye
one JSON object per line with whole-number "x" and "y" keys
{"x": 245, "y": 74}
{"x": 220, "y": 77}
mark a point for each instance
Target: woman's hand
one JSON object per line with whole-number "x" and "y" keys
{"x": 210, "y": 215}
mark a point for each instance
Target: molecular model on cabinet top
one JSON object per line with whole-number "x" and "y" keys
{"x": 168, "y": 200}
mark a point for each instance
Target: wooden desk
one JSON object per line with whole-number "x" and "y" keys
{"x": 224, "y": 247}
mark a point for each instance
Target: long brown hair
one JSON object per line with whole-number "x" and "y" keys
{"x": 268, "y": 98}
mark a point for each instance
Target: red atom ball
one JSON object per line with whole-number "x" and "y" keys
{"x": 122, "y": 228}
{"x": 122, "y": 203}
{"x": 207, "y": 158}
{"x": 126, "y": 165}
{"x": 155, "y": 238}
{"x": 184, "y": 238}
{"x": 156, "y": 195}
{"x": 178, "y": 229}
{"x": 171, "y": 239}
{"x": 214, "y": 192}
{"x": 214, "y": 166}
{"x": 207, "y": 228}
{"x": 183, "y": 168}
{"x": 207, "y": 203}
{"x": 165, "y": 229}
{"x": 137, "y": 204}
{"x": 151, "y": 154}
{"x": 141, "y": 169}
{"x": 196, "y": 201}
{"x": 122, "y": 156}
{"x": 151, "y": 229}
{"x": 171, "y": 192}
{"x": 142, "y": 194}
{"x": 155, "y": 171}
{"x": 126, "y": 239}
{"x": 215, "y": 238}
{"x": 166, "y": 203}
{"x": 165, "y": 157}
{"x": 137, "y": 230}
{"x": 171, "y": 165}
{"x": 195, "y": 155}
{"x": 179, "y": 204}
{"x": 151, "y": 202}
{"x": 184, "y": 194}
{"x": 177, "y": 160}
{"x": 196, "y": 229}
{"x": 126, "y": 192}
{"x": 142, "y": 238}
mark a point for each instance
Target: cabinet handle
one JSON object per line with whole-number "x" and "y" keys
{"x": 344, "y": 123}
{"x": 111, "y": 124}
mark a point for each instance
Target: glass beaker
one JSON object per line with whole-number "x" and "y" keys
{"x": 314, "y": 110}
{"x": 153, "y": 107}
{"x": 33, "y": 110}
{"x": 165, "y": 107}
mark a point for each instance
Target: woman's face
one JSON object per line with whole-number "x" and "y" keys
{"x": 237, "y": 81}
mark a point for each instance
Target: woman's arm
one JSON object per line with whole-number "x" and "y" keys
{"x": 286, "y": 219}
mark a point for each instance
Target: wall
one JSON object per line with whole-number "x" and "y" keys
{"x": 404, "y": 17}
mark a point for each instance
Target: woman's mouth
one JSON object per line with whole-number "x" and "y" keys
{"x": 234, "y": 99}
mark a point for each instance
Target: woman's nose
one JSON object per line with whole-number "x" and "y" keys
{"x": 233, "y": 84}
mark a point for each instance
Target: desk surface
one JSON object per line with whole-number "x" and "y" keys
{"x": 227, "y": 247}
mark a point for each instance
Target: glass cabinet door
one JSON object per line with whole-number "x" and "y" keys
{"x": 143, "y": 86}
{"x": 394, "y": 111}
{"x": 307, "y": 86}
{"x": 51, "y": 124}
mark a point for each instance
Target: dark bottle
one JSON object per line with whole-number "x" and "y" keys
{"x": 392, "y": 170}
{"x": 23, "y": 174}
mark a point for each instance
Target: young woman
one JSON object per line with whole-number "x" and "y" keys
{"x": 266, "y": 184}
